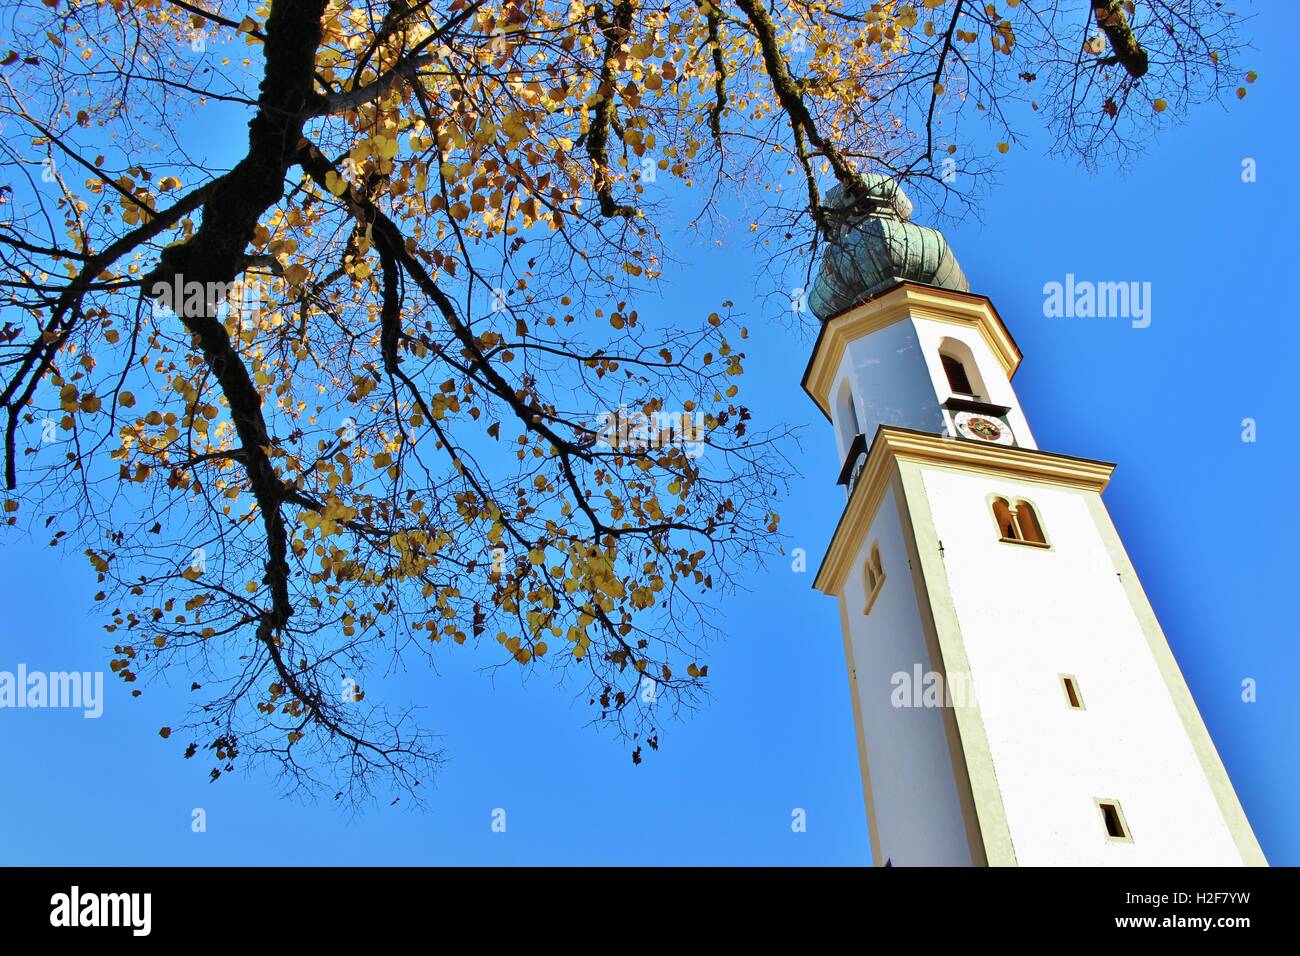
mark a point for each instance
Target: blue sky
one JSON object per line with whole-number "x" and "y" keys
{"x": 1210, "y": 523}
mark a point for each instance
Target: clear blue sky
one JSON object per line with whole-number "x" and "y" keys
{"x": 1210, "y": 522}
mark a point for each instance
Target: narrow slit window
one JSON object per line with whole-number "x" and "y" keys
{"x": 958, "y": 380}
{"x": 1112, "y": 818}
{"x": 1072, "y": 693}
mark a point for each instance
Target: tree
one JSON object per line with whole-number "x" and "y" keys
{"x": 381, "y": 387}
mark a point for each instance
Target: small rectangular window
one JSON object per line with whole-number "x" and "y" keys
{"x": 1112, "y": 818}
{"x": 1072, "y": 691}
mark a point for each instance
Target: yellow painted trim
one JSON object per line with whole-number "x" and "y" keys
{"x": 901, "y": 444}
{"x": 894, "y": 460}
{"x": 988, "y": 832}
{"x": 904, "y": 301}
{"x": 877, "y": 857}
{"x": 1045, "y": 546}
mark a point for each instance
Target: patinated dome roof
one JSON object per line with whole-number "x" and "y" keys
{"x": 875, "y": 245}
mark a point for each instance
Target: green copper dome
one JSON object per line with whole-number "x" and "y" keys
{"x": 875, "y": 246}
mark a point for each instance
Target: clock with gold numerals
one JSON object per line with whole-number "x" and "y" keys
{"x": 979, "y": 426}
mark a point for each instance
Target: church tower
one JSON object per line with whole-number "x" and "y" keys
{"x": 1015, "y": 699}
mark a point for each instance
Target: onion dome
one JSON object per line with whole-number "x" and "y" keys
{"x": 874, "y": 245}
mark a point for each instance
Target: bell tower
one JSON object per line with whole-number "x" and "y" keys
{"x": 1015, "y": 699}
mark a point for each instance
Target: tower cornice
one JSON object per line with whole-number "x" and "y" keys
{"x": 903, "y": 301}
{"x": 892, "y": 444}
{"x": 1011, "y": 685}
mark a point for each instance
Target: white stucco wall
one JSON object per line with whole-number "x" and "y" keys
{"x": 890, "y": 383}
{"x": 897, "y": 379}
{"x": 930, "y": 334}
{"x": 1026, "y": 616}
{"x": 918, "y": 817}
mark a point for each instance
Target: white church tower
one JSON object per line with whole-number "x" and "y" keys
{"x": 1016, "y": 701}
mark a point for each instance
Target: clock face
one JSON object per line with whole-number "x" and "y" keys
{"x": 983, "y": 428}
